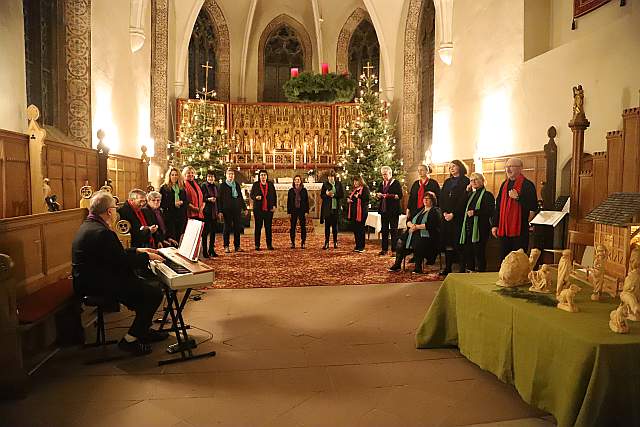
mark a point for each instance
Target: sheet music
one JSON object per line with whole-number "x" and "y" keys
{"x": 190, "y": 243}
{"x": 551, "y": 218}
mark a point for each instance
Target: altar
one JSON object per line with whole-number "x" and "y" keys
{"x": 282, "y": 191}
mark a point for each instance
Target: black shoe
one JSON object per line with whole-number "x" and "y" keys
{"x": 155, "y": 335}
{"x": 445, "y": 272}
{"x": 137, "y": 347}
{"x": 335, "y": 245}
{"x": 293, "y": 245}
{"x": 416, "y": 272}
{"x": 213, "y": 254}
{"x": 205, "y": 255}
{"x": 239, "y": 250}
{"x": 381, "y": 253}
{"x": 394, "y": 267}
{"x": 270, "y": 248}
{"x": 302, "y": 245}
{"x": 326, "y": 245}
{"x": 227, "y": 250}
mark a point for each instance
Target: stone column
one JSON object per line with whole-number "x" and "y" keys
{"x": 159, "y": 93}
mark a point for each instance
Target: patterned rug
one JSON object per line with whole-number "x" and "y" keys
{"x": 313, "y": 266}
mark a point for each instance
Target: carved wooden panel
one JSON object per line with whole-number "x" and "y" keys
{"x": 15, "y": 181}
{"x": 126, "y": 174}
{"x": 40, "y": 246}
{"x": 631, "y": 135}
{"x": 68, "y": 168}
{"x": 600, "y": 176}
{"x": 615, "y": 156}
{"x": 585, "y": 203}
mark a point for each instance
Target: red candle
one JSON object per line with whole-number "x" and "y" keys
{"x": 325, "y": 68}
{"x": 294, "y": 72}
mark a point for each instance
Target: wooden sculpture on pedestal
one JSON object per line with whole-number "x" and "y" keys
{"x": 514, "y": 270}
{"x": 565, "y": 268}
{"x": 566, "y": 297}
{"x": 541, "y": 280}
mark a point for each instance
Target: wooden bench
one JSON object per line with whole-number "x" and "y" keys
{"x": 38, "y": 311}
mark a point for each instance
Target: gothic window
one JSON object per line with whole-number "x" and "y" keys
{"x": 426, "y": 51}
{"x": 363, "y": 48}
{"x": 282, "y": 51}
{"x": 202, "y": 48}
{"x": 41, "y": 37}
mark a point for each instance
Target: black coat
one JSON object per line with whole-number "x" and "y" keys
{"x": 272, "y": 198}
{"x": 392, "y": 204}
{"x": 427, "y": 247}
{"x": 210, "y": 208}
{"x": 432, "y": 185}
{"x": 528, "y": 200}
{"x": 140, "y": 237}
{"x": 484, "y": 214}
{"x": 159, "y": 236}
{"x": 291, "y": 201}
{"x": 453, "y": 199}
{"x": 175, "y": 217}
{"x": 325, "y": 209}
{"x": 100, "y": 265}
{"x": 364, "y": 197}
{"x": 226, "y": 203}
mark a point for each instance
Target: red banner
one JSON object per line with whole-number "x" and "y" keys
{"x": 581, "y": 7}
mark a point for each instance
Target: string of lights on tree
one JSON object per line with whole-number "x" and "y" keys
{"x": 201, "y": 144}
{"x": 373, "y": 143}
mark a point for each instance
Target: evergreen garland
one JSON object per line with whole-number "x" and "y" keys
{"x": 535, "y": 297}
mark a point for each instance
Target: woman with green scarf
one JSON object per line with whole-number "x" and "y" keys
{"x": 476, "y": 225}
{"x": 174, "y": 203}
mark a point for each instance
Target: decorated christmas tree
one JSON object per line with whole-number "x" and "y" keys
{"x": 372, "y": 142}
{"x": 202, "y": 142}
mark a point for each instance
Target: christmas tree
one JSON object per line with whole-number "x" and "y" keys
{"x": 202, "y": 142}
{"x": 201, "y": 145}
{"x": 372, "y": 141}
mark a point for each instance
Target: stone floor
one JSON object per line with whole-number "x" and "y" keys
{"x": 321, "y": 356}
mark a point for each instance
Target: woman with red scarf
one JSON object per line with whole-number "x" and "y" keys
{"x": 420, "y": 187}
{"x": 358, "y": 202}
{"x": 263, "y": 194}
{"x": 195, "y": 199}
{"x": 297, "y": 208}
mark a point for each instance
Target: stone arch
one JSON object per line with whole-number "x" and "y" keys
{"x": 223, "y": 51}
{"x": 271, "y": 28}
{"x": 411, "y": 99}
{"x": 342, "y": 49}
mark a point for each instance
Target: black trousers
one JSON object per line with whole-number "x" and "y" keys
{"x": 144, "y": 298}
{"x": 422, "y": 248}
{"x": 331, "y": 224}
{"x": 232, "y": 224}
{"x": 266, "y": 219}
{"x": 358, "y": 233}
{"x": 474, "y": 255}
{"x": 209, "y": 234}
{"x": 508, "y": 244}
{"x": 389, "y": 226}
{"x": 298, "y": 216}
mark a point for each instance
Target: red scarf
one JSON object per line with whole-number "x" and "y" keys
{"x": 510, "y": 210}
{"x": 358, "y": 204}
{"x": 421, "y": 191}
{"x": 143, "y": 221}
{"x": 264, "y": 190}
{"x": 194, "y": 196}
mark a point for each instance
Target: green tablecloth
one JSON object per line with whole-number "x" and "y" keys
{"x": 568, "y": 364}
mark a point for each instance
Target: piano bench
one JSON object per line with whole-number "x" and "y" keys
{"x": 101, "y": 304}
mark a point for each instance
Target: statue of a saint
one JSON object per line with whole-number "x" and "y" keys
{"x": 597, "y": 272}
{"x": 578, "y": 101}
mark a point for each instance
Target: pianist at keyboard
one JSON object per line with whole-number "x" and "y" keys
{"x": 102, "y": 268}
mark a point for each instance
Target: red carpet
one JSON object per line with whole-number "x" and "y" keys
{"x": 313, "y": 266}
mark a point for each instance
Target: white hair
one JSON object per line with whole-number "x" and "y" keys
{"x": 386, "y": 168}
{"x": 153, "y": 195}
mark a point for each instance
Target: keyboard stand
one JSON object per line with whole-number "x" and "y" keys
{"x": 185, "y": 345}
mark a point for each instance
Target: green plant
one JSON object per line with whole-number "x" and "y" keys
{"x": 311, "y": 87}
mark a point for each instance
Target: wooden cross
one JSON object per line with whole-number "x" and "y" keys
{"x": 206, "y": 91}
{"x": 368, "y": 67}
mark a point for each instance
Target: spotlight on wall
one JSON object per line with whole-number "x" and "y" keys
{"x": 445, "y": 51}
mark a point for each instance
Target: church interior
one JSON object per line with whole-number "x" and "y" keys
{"x": 528, "y": 319}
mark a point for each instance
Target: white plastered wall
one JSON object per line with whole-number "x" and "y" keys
{"x": 12, "y": 67}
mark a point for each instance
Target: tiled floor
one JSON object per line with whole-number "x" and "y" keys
{"x": 321, "y": 356}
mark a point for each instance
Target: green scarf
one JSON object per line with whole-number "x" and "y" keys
{"x": 176, "y": 192}
{"x": 423, "y": 220}
{"x": 475, "y": 235}
{"x": 334, "y": 200}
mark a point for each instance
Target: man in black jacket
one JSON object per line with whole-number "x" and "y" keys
{"x": 231, "y": 206}
{"x": 389, "y": 194}
{"x": 263, "y": 194}
{"x": 101, "y": 267}
{"x": 141, "y": 231}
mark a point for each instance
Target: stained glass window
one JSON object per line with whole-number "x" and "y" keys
{"x": 363, "y": 48}
{"x": 202, "y": 48}
{"x": 282, "y": 51}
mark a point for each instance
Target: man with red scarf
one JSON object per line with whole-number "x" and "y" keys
{"x": 389, "y": 194}
{"x": 514, "y": 203}
{"x": 141, "y": 230}
{"x": 263, "y": 194}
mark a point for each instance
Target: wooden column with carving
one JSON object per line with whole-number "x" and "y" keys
{"x": 36, "y": 150}
{"x": 551, "y": 155}
{"x": 159, "y": 68}
{"x": 578, "y": 125}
